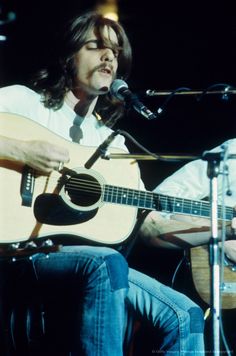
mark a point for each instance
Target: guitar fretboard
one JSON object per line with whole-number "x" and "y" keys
{"x": 153, "y": 201}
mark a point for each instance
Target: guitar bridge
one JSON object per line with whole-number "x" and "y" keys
{"x": 27, "y": 186}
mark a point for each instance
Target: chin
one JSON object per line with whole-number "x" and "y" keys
{"x": 104, "y": 84}
{"x": 104, "y": 89}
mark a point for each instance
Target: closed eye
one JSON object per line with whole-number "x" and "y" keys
{"x": 97, "y": 44}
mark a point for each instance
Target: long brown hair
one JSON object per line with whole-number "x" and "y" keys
{"x": 58, "y": 78}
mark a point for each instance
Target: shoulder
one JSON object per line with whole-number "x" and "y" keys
{"x": 18, "y": 89}
{"x": 18, "y": 99}
{"x": 231, "y": 144}
{"x": 17, "y": 93}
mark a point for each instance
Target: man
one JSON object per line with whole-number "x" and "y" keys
{"x": 192, "y": 182}
{"x": 67, "y": 98}
{"x": 182, "y": 231}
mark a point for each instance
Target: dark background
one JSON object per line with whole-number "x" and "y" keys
{"x": 175, "y": 44}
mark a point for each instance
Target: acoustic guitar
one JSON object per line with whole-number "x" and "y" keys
{"x": 199, "y": 258}
{"x": 99, "y": 204}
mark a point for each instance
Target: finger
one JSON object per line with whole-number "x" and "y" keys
{"x": 60, "y": 166}
{"x": 61, "y": 155}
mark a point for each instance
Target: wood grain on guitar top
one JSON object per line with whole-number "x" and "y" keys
{"x": 201, "y": 273}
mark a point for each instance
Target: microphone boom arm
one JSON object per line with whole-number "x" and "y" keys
{"x": 151, "y": 92}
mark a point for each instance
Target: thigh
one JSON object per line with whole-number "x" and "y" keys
{"x": 70, "y": 264}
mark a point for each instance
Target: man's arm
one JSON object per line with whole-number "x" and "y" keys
{"x": 40, "y": 155}
{"x": 174, "y": 231}
{"x": 178, "y": 231}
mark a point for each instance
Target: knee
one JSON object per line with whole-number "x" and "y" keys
{"x": 190, "y": 319}
{"x": 117, "y": 269}
{"x": 108, "y": 264}
{"x": 196, "y": 320}
{"x": 191, "y": 315}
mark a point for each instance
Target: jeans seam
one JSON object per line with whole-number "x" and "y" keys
{"x": 178, "y": 314}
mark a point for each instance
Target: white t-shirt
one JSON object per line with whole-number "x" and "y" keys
{"x": 192, "y": 182}
{"x": 21, "y": 100}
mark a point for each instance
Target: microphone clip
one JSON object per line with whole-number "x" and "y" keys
{"x": 101, "y": 150}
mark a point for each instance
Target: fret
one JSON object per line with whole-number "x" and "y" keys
{"x": 139, "y": 199}
{"x": 158, "y": 202}
{"x": 163, "y": 203}
{"x": 229, "y": 212}
{"x": 196, "y": 208}
{"x": 112, "y": 194}
{"x": 143, "y": 199}
{"x": 178, "y": 205}
{"x": 107, "y": 194}
{"x": 133, "y": 197}
{"x": 123, "y": 196}
{"x": 117, "y": 195}
{"x": 146, "y": 200}
{"x": 205, "y": 209}
{"x": 149, "y": 201}
{"x": 168, "y": 204}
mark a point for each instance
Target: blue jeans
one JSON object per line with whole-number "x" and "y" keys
{"x": 110, "y": 298}
{"x": 91, "y": 283}
{"x": 178, "y": 321}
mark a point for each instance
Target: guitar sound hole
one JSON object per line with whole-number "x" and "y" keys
{"x": 83, "y": 190}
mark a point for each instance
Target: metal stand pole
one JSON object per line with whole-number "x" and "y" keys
{"x": 214, "y": 255}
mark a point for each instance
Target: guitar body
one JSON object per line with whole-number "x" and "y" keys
{"x": 201, "y": 272}
{"x": 100, "y": 222}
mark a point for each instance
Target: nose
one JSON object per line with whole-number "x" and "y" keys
{"x": 107, "y": 55}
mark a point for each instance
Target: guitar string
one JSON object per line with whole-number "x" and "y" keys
{"x": 83, "y": 185}
{"x": 120, "y": 194}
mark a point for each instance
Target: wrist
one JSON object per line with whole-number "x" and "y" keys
{"x": 13, "y": 150}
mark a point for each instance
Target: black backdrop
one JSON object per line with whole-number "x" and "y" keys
{"x": 175, "y": 44}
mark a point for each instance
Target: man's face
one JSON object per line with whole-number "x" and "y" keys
{"x": 97, "y": 63}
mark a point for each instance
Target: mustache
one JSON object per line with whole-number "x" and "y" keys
{"x": 103, "y": 66}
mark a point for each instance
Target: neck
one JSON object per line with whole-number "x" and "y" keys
{"x": 83, "y": 105}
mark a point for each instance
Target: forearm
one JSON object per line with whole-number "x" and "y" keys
{"x": 175, "y": 236}
{"x": 40, "y": 155}
{"x": 12, "y": 149}
{"x": 176, "y": 232}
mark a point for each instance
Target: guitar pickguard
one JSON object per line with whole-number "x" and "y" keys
{"x": 52, "y": 210}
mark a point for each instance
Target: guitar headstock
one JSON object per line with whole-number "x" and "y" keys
{"x": 28, "y": 248}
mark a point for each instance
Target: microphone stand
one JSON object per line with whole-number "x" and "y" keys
{"x": 213, "y": 170}
{"x": 213, "y": 160}
{"x": 227, "y": 90}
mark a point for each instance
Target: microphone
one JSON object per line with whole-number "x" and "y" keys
{"x": 119, "y": 89}
{"x": 101, "y": 150}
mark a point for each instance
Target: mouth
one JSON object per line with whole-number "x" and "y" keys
{"x": 106, "y": 71}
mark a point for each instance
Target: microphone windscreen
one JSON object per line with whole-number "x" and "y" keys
{"x": 115, "y": 87}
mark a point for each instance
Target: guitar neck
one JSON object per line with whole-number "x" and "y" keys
{"x": 159, "y": 202}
